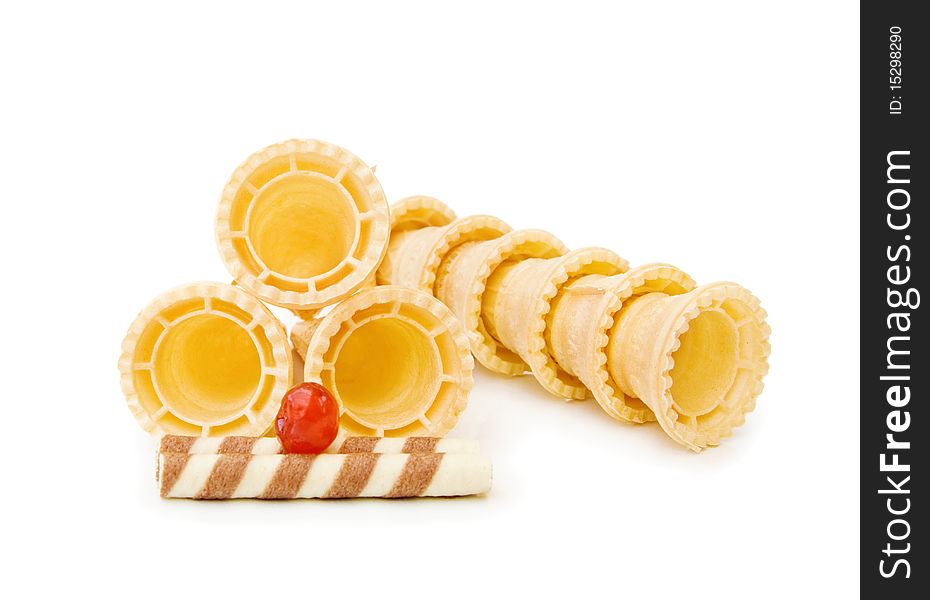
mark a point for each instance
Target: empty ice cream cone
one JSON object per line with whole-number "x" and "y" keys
{"x": 205, "y": 359}
{"x": 417, "y": 212}
{"x": 302, "y": 224}
{"x": 463, "y": 277}
{"x": 516, "y": 305}
{"x": 415, "y": 255}
{"x": 696, "y": 359}
{"x": 395, "y": 359}
{"x": 411, "y": 214}
{"x": 580, "y": 321}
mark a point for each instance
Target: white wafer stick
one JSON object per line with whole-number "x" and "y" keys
{"x": 283, "y": 476}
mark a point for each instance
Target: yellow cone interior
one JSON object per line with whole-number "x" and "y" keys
{"x": 207, "y": 367}
{"x": 705, "y": 363}
{"x": 302, "y": 225}
{"x": 387, "y": 372}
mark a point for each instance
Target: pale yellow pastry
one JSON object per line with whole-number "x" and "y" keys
{"x": 302, "y": 224}
{"x": 395, "y": 359}
{"x": 415, "y": 255}
{"x": 205, "y": 359}
{"x": 517, "y": 302}
{"x": 417, "y": 212}
{"x": 696, "y": 359}
{"x": 407, "y": 216}
{"x": 580, "y": 321}
{"x": 463, "y": 277}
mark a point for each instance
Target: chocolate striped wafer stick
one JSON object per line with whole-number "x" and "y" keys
{"x": 283, "y": 476}
{"x": 181, "y": 444}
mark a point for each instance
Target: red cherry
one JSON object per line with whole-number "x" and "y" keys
{"x": 308, "y": 420}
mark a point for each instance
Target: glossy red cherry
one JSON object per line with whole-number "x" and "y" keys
{"x": 308, "y": 420}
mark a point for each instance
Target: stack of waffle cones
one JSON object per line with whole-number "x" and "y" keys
{"x": 394, "y": 303}
{"x": 301, "y": 225}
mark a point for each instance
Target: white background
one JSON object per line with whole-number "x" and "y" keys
{"x": 720, "y": 137}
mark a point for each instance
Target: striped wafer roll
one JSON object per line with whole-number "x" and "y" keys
{"x": 180, "y": 444}
{"x": 284, "y": 476}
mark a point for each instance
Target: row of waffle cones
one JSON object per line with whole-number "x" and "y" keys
{"x": 394, "y": 301}
{"x": 646, "y": 343}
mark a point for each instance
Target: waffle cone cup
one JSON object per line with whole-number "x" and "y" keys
{"x": 417, "y": 212}
{"x": 517, "y": 303}
{"x": 695, "y": 359}
{"x": 463, "y": 278}
{"x": 302, "y": 224}
{"x": 415, "y": 255}
{"x": 205, "y": 359}
{"x": 581, "y": 319}
{"x": 395, "y": 359}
